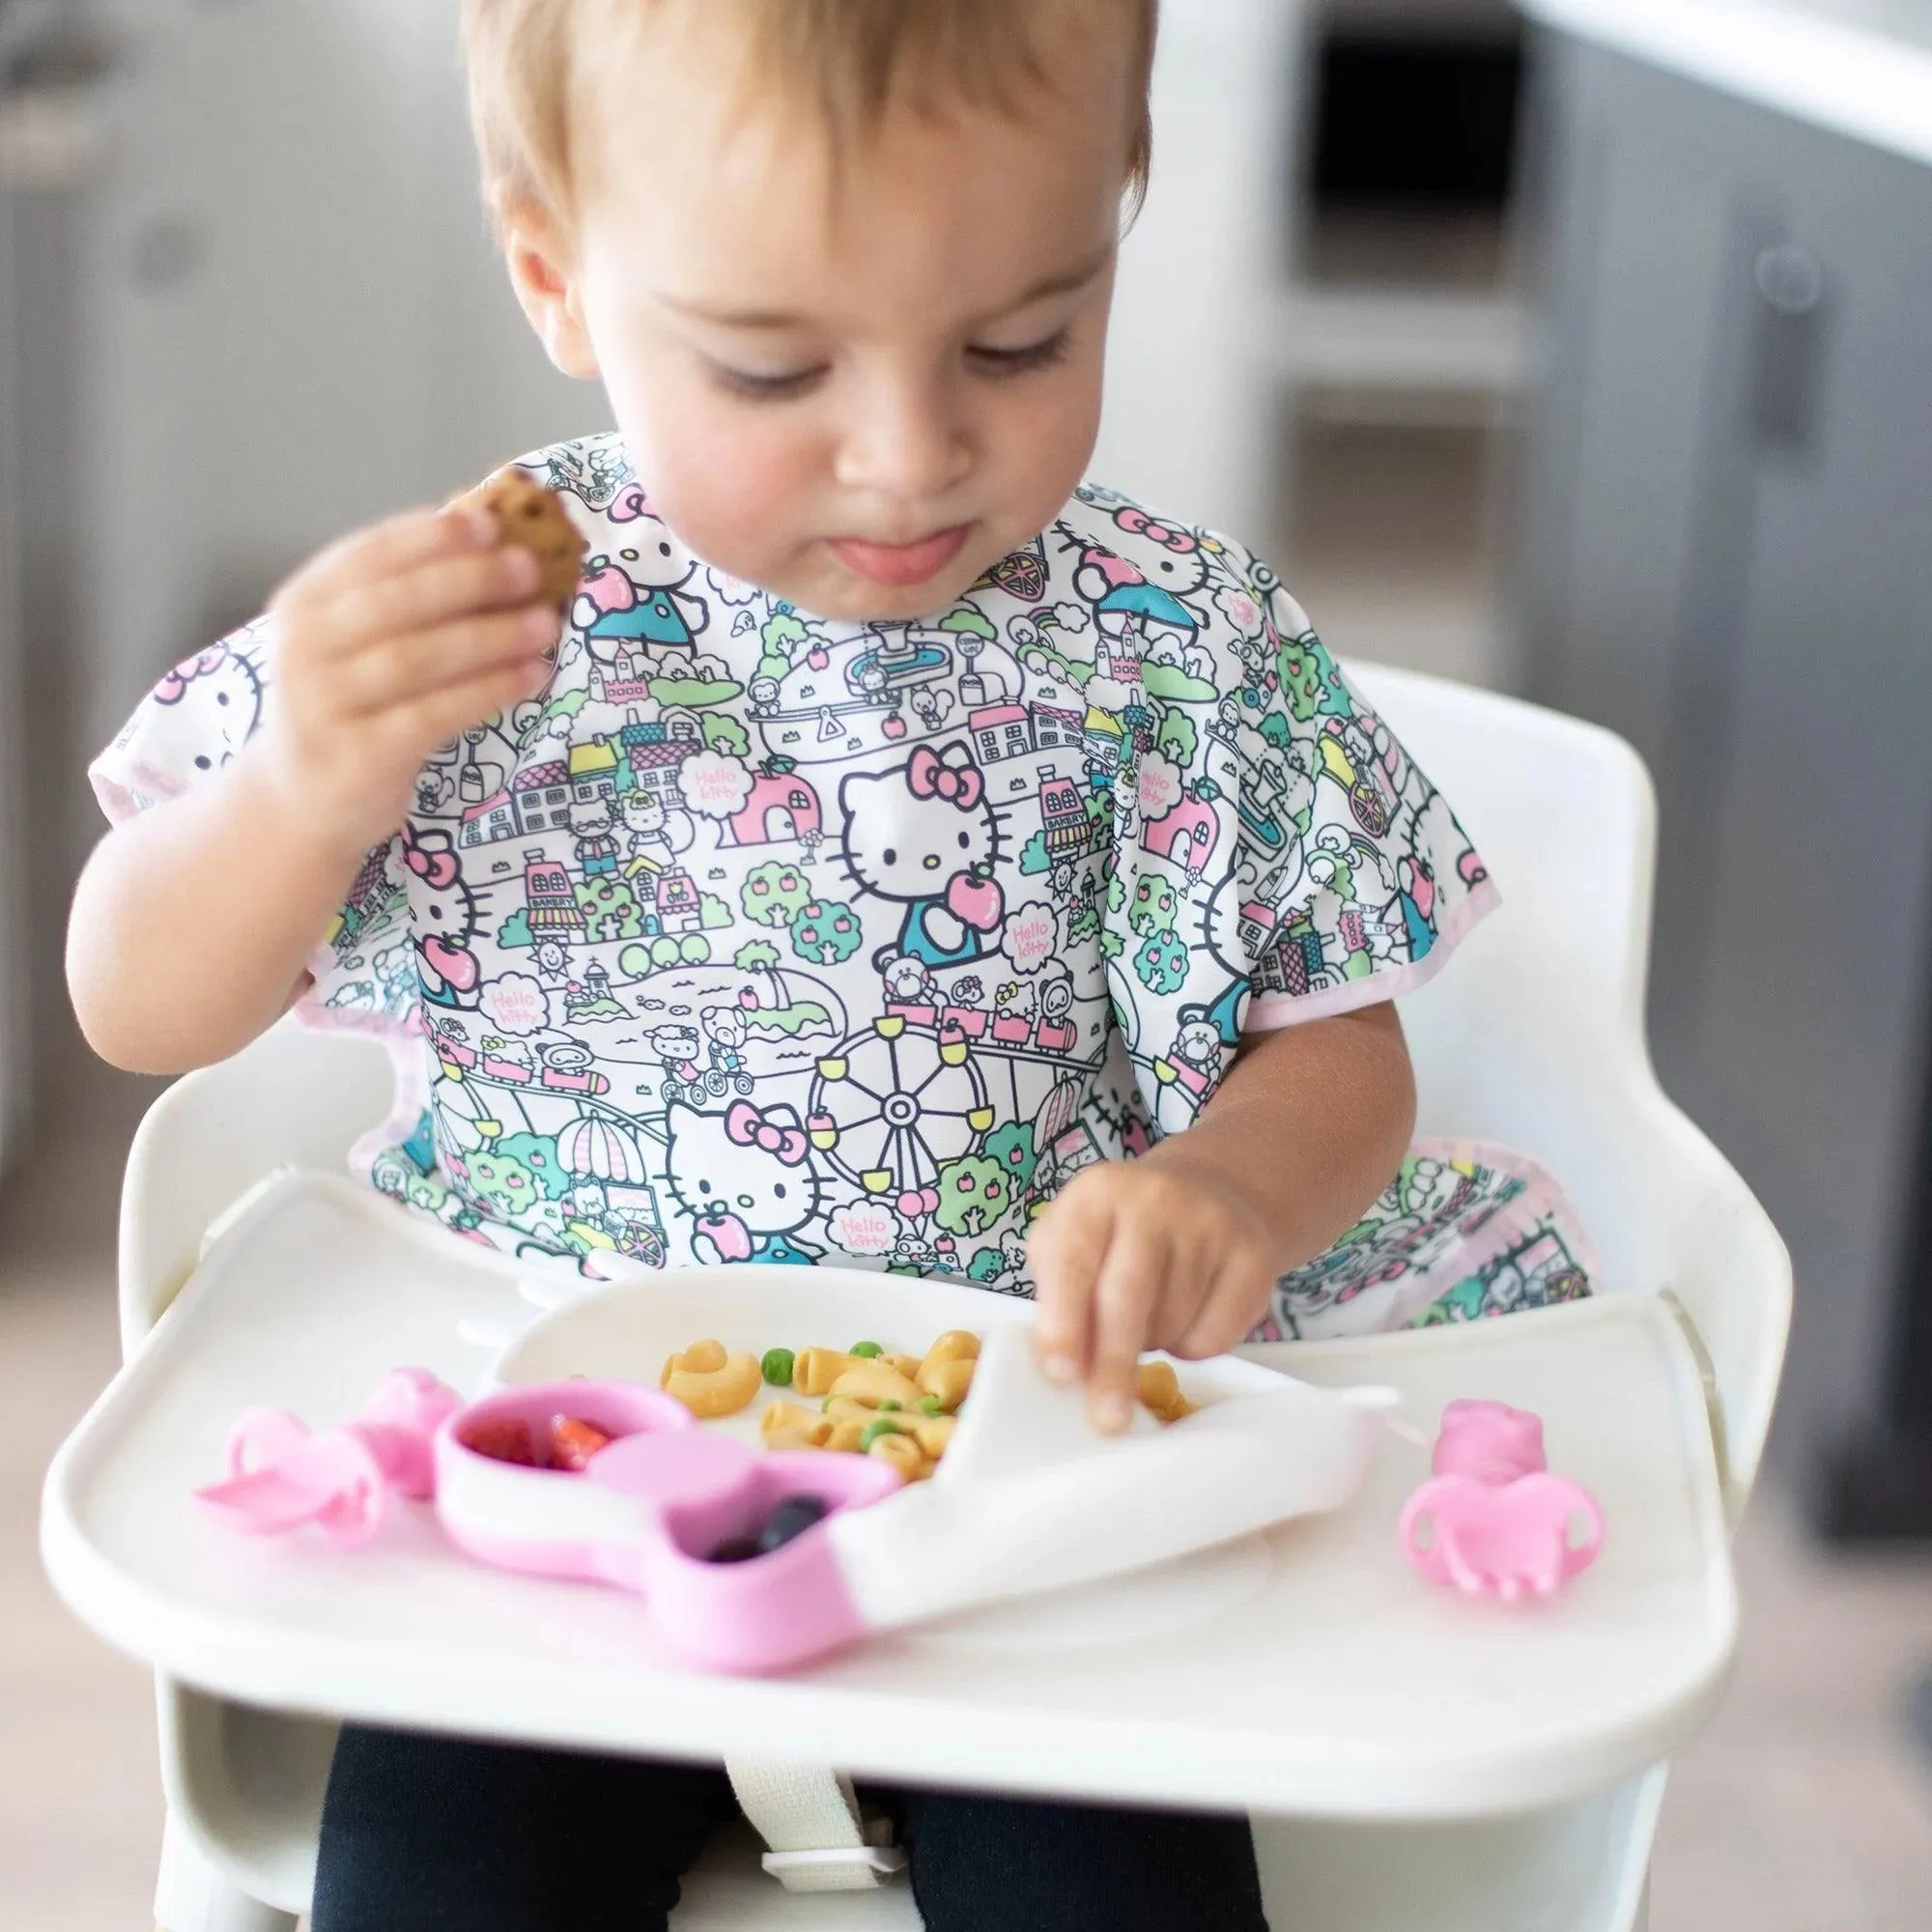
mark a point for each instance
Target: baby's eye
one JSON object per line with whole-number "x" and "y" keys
{"x": 779, "y": 1191}
{"x": 755, "y": 386}
{"x": 1023, "y": 360}
{"x": 704, "y": 1187}
{"x": 221, "y": 698}
{"x": 965, "y": 841}
{"x": 891, "y": 857}
{"x": 201, "y": 764}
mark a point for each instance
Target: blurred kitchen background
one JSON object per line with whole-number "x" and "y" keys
{"x": 1585, "y": 356}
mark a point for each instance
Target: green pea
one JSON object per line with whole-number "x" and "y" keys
{"x": 874, "y": 1430}
{"x": 870, "y": 1349}
{"x": 932, "y": 1406}
{"x": 777, "y": 1366}
{"x": 888, "y": 1402}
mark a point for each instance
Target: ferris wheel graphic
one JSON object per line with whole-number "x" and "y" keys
{"x": 891, "y": 1104}
{"x": 895, "y": 1102}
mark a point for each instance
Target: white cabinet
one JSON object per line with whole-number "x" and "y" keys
{"x": 295, "y": 321}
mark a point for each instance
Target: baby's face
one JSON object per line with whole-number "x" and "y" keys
{"x": 857, "y": 397}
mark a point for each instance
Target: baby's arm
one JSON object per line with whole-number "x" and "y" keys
{"x": 1181, "y": 1248}
{"x": 192, "y": 924}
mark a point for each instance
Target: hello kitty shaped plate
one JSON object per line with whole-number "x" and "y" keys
{"x": 1028, "y": 1501}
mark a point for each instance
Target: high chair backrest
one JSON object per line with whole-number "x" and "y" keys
{"x": 1532, "y": 1036}
{"x": 292, "y": 1098}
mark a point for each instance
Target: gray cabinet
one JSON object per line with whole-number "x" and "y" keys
{"x": 1727, "y": 556}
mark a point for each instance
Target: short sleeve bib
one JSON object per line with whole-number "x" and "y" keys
{"x": 764, "y": 937}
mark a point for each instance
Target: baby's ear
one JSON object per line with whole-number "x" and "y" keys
{"x": 543, "y": 272}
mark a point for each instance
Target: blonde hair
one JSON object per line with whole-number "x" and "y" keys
{"x": 848, "y": 57}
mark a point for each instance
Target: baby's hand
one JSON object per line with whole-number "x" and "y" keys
{"x": 387, "y": 644}
{"x": 1157, "y": 1253}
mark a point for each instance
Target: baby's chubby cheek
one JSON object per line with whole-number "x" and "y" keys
{"x": 737, "y": 494}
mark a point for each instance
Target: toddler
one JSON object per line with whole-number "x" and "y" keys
{"x": 901, "y": 854}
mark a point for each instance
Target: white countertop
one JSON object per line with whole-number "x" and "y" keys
{"x": 1857, "y": 68}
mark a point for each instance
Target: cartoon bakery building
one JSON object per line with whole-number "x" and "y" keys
{"x": 553, "y": 909}
{"x": 1064, "y": 820}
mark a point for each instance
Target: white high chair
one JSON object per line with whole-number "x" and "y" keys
{"x": 1534, "y": 1037}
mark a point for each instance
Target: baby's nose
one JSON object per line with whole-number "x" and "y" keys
{"x": 746, "y": 1201}
{"x": 930, "y": 861}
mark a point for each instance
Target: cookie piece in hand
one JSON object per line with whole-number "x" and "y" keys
{"x": 527, "y": 514}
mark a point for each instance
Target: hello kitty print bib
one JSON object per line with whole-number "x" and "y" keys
{"x": 764, "y": 937}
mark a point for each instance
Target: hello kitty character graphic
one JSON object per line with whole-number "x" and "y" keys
{"x": 446, "y": 918}
{"x": 1175, "y": 557}
{"x": 923, "y": 835}
{"x": 216, "y": 696}
{"x": 634, "y": 614}
{"x": 745, "y": 1177}
{"x": 652, "y": 831}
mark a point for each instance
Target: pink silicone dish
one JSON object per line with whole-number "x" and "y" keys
{"x": 648, "y": 1513}
{"x": 648, "y": 1509}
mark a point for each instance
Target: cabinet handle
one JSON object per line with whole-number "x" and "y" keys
{"x": 1783, "y": 398}
{"x": 1790, "y": 280}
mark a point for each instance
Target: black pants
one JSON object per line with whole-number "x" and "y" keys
{"x": 439, "y": 1835}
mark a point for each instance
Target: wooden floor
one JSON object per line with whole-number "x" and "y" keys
{"x": 1803, "y": 1810}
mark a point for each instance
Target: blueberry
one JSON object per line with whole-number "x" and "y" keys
{"x": 793, "y": 1517}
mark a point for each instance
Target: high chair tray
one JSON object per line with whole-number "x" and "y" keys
{"x": 1307, "y": 1670}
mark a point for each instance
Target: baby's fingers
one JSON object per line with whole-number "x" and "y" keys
{"x": 436, "y": 717}
{"x": 1132, "y": 1278}
{"x": 431, "y": 593}
{"x": 1237, "y": 1298}
{"x": 383, "y": 549}
{"x": 401, "y": 670}
{"x": 1065, "y": 1252}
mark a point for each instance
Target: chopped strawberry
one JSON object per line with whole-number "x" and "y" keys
{"x": 503, "y": 1439}
{"x": 572, "y": 1441}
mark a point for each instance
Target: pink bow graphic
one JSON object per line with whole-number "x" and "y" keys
{"x": 1170, "y": 536}
{"x": 173, "y": 688}
{"x": 436, "y": 868}
{"x": 930, "y": 777}
{"x": 777, "y": 1132}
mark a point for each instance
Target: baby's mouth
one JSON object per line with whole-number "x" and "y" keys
{"x": 901, "y": 565}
